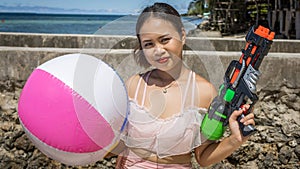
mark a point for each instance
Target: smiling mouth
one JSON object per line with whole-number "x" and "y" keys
{"x": 163, "y": 60}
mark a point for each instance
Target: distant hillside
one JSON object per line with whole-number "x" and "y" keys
{"x": 43, "y": 9}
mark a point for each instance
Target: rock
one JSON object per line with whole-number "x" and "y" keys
{"x": 297, "y": 151}
{"x": 291, "y": 129}
{"x": 246, "y": 153}
{"x": 285, "y": 154}
{"x": 23, "y": 143}
{"x": 250, "y": 164}
{"x": 293, "y": 143}
{"x": 7, "y": 126}
{"x": 267, "y": 161}
{"x": 281, "y": 108}
{"x": 270, "y": 105}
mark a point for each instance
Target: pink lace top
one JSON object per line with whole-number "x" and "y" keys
{"x": 175, "y": 135}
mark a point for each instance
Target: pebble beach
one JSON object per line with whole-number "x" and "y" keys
{"x": 275, "y": 145}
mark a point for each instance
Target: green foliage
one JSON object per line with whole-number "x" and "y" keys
{"x": 198, "y": 7}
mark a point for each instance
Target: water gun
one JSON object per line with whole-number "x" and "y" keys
{"x": 239, "y": 87}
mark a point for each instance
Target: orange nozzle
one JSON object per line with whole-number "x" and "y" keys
{"x": 271, "y": 36}
{"x": 262, "y": 31}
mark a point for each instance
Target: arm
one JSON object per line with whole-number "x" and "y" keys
{"x": 213, "y": 152}
{"x": 116, "y": 150}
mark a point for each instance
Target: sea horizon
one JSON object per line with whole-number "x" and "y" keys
{"x": 75, "y": 23}
{"x": 61, "y": 13}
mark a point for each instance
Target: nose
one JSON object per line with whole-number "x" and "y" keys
{"x": 159, "y": 49}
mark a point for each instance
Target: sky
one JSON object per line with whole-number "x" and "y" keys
{"x": 86, "y": 6}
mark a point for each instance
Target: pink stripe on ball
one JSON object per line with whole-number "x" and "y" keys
{"x": 47, "y": 110}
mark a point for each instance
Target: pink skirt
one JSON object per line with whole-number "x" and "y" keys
{"x": 135, "y": 162}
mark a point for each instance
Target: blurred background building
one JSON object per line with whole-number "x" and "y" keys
{"x": 236, "y": 16}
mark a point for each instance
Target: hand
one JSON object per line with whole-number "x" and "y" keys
{"x": 236, "y": 134}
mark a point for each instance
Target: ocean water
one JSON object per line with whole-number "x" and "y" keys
{"x": 74, "y": 23}
{"x": 54, "y": 23}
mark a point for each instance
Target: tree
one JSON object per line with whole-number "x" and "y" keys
{"x": 195, "y": 7}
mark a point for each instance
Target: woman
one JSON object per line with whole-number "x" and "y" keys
{"x": 168, "y": 102}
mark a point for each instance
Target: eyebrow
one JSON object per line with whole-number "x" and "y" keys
{"x": 162, "y": 36}
{"x": 145, "y": 41}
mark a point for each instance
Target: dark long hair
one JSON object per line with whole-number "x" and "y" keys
{"x": 157, "y": 10}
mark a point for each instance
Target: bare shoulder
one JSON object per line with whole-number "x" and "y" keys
{"x": 205, "y": 90}
{"x": 131, "y": 84}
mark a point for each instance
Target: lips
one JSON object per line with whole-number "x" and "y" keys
{"x": 163, "y": 60}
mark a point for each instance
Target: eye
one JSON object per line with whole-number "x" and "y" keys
{"x": 147, "y": 45}
{"x": 165, "y": 40}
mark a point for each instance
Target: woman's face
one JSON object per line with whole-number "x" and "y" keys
{"x": 161, "y": 43}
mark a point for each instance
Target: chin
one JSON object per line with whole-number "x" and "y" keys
{"x": 164, "y": 68}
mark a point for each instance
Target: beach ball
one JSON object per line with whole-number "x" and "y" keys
{"x": 74, "y": 108}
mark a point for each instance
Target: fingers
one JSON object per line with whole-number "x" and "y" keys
{"x": 246, "y": 120}
{"x": 249, "y": 119}
{"x": 235, "y": 115}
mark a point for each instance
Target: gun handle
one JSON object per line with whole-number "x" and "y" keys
{"x": 246, "y": 130}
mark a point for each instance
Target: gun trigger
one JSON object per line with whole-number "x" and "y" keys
{"x": 245, "y": 110}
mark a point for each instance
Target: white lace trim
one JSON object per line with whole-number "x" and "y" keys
{"x": 175, "y": 135}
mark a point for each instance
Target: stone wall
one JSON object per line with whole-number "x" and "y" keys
{"x": 201, "y": 42}
{"x": 277, "y": 114}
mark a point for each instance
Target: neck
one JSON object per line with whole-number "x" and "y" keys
{"x": 170, "y": 75}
